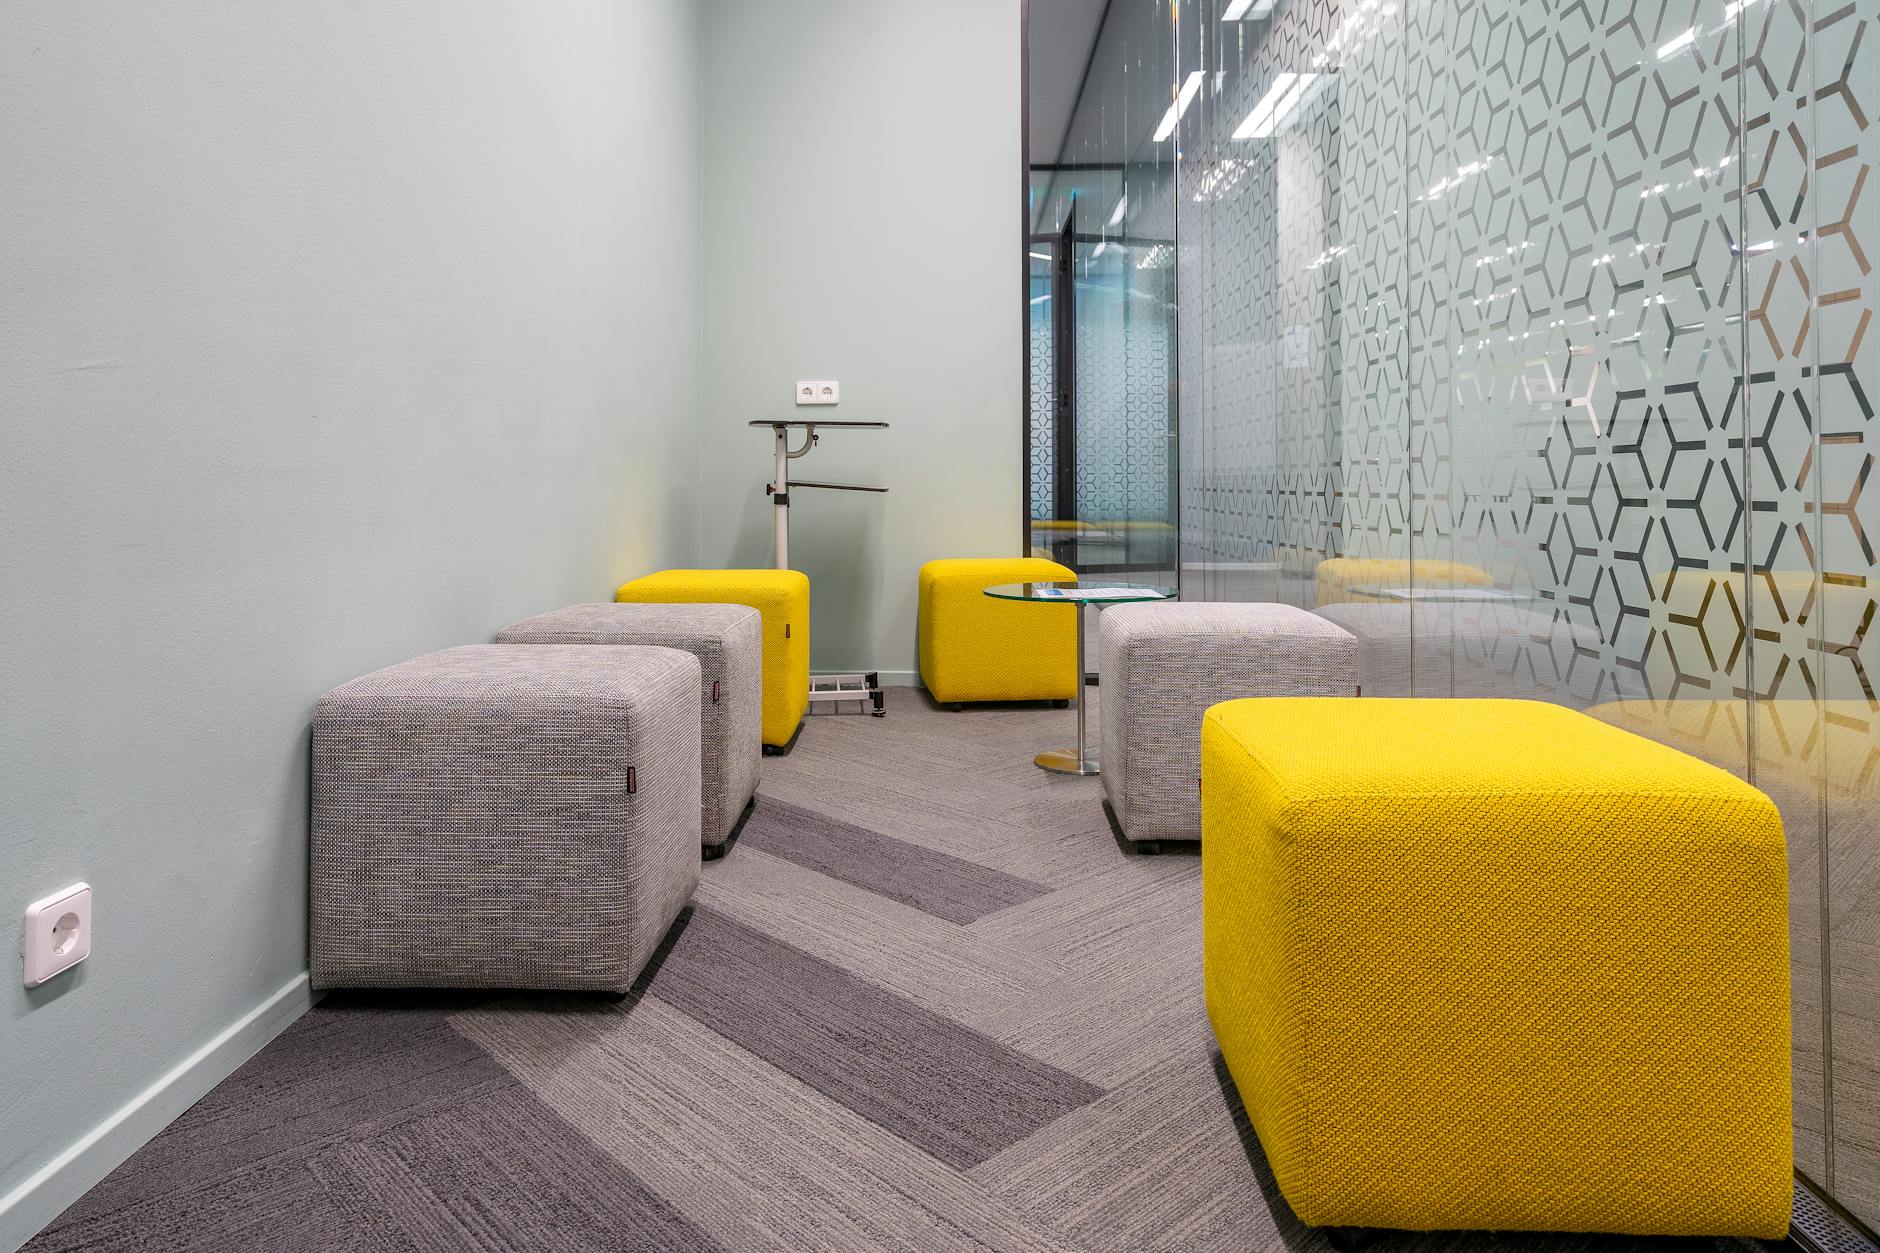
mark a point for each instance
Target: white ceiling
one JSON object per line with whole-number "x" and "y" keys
{"x": 1062, "y": 35}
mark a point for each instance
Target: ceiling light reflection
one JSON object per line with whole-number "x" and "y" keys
{"x": 1183, "y": 99}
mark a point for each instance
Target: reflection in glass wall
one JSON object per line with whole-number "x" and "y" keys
{"x": 1103, "y": 490}
{"x": 1534, "y": 346}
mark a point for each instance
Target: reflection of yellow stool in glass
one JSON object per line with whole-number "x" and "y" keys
{"x": 1797, "y": 741}
{"x": 1343, "y": 580}
{"x": 1492, "y": 964}
{"x": 1055, "y": 538}
{"x": 1701, "y": 615}
{"x": 976, "y": 648}
{"x": 781, "y": 597}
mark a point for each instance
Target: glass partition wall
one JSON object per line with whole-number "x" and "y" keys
{"x": 1103, "y": 495}
{"x": 1541, "y": 332}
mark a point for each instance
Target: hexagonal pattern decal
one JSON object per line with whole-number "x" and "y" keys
{"x": 1574, "y": 300}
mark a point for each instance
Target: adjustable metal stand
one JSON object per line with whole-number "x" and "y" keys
{"x": 823, "y": 688}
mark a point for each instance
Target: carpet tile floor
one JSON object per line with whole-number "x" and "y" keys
{"x": 927, "y": 1001}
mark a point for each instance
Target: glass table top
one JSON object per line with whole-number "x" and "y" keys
{"x": 1080, "y": 591}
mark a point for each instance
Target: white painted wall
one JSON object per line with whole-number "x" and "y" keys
{"x": 329, "y": 334}
{"x": 334, "y": 333}
{"x": 864, "y": 212}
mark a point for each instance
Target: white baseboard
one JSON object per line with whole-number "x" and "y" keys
{"x": 46, "y": 1193}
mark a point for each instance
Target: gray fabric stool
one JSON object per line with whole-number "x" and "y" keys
{"x": 1439, "y": 648}
{"x": 1164, "y": 664}
{"x": 728, "y": 641}
{"x": 504, "y": 817}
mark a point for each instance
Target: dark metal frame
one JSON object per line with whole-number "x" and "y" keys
{"x": 1064, "y": 377}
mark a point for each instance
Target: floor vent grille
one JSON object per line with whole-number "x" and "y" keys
{"x": 1819, "y": 1226}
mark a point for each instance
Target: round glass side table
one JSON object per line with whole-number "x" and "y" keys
{"x": 1083, "y": 758}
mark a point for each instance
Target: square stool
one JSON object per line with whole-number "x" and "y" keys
{"x": 728, "y": 642}
{"x": 504, "y": 816}
{"x": 1164, "y": 664}
{"x": 1495, "y": 965}
{"x": 782, "y": 598}
{"x": 975, "y": 648}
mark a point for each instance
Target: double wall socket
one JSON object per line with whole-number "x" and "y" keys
{"x": 824, "y": 392}
{"x": 58, "y": 933}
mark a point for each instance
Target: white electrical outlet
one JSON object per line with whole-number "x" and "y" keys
{"x": 58, "y": 933}
{"x": 819, "y": 392}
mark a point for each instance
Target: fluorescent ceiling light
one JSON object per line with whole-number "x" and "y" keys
{"x": 1285, "y": 97}
{"x": 1248, "y": 9}
{"x": 1122, "y": 207}
{"x": 1678, "y": 44}
{"x": 1038, "y": 300}
{"x": 1099, "y": 250}
{"x": 1040, "y": 256}
{"x": 1190, "y": 86}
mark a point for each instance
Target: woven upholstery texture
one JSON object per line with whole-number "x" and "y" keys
{"x": 1470, "y": 649}
{"x": 728, "y": 642}
{"x": 504, "y": 816}
{"x": 781, "y": 597}
{"x": 974, "y": 647}
{"x": 1487, "y": 964}
{"x": 1164, "y": 664}
{"x": 1344, "y": 579}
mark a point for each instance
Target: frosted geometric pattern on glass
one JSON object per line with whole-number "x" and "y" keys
{"x": 1562, "y": 314}
{"x": 1043, "y": 389}
{"x": 1125, "y": 348}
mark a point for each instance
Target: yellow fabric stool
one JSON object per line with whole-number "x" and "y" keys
{"x": 975, "y": 648}
{"x": 781, "y": 597}
{"x": 1342, "y": 580}
{"x": 1496, "y": 964}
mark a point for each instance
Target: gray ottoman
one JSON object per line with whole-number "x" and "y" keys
{"x": 1470, "y": 649}
{"x": 1164, "y": 664}
{"x": 504, "y": 817}
{"x": 728, "y": 641}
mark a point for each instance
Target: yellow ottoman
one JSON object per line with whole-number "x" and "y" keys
{"x": 781, "y": 597}
{"x": 1496, "y": 964}
{"x": 1342, "y": 580}
{"x": 975, "y": 648}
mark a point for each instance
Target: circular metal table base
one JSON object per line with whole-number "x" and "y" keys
{"x": 1064, "y": 761}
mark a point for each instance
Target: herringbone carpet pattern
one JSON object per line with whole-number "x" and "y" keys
{"x": 926, "y": 1002}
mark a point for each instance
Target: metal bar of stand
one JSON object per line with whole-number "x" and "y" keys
{"x": 823, "y": 688}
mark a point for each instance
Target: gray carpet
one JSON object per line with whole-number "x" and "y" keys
{"x": 926, "y": 1001}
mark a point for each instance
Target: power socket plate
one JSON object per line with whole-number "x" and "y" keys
{"x": 58, "y": 933}
{"x": 819, "y": 392}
